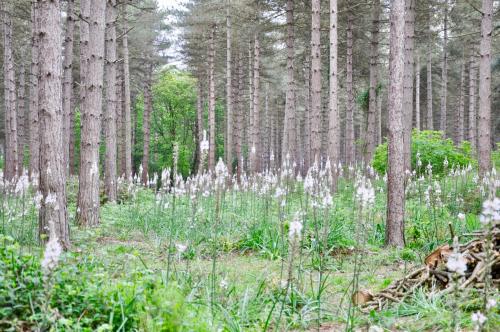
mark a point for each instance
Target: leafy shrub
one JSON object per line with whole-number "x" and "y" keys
{"x": 495, "y": 157}
{"x": 82, "y": 296}
{"x": 433, "y": 149}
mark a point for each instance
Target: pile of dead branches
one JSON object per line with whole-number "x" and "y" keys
{"x": 436, "y": 278}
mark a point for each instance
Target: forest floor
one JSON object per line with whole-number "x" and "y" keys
{"x": 162, "y": 262}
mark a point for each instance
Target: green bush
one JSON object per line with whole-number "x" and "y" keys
{"x": 81, "y": 295}
{"x": 433, "y": 149}
{"x": 495, "y": 157}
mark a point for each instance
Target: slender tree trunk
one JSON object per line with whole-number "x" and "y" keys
{"x": 417, "y": 93}
{"x": 484, "y": 114}
{"x": 472, "y": 103}
{"x": 289, "y": 129}
{"x": 316, "y": 81}
{"x": 148, "y": 108}
{"x": 91, "y": 104}
{"x": 199, "y": 123}
{"x": 53, "y": 216}
{"x": 307, "y": 113}
{"x": 379, "y": 118}
{"x": 21, "y": 128}
{"x": 211, "y": 99}
{"x": 239, "y": 117}
{"x": 334, "y": 118}
{"x": 395, "y": 178}
{"x": 255, "y": 154}
{"x": 430, "y": 116}
{"x": 126, "y": 101}
{"x": 11, "y": 142}
{"x": 349, "y": 122}
{"x": 229, "y": 111}
{"x": 408, "y": 79}
{"x": 120, "y": 159}
{"x": 72, "y": 135}
{"x": 372, "y": 103}
{"x": 67, "y": 81}
{"x": 34, "y": 142}
{"x": 249, "y": 115}
{"x": 111, "y": 103}
{"x": 459, "y": 120}
{"x": 444, "y": 73}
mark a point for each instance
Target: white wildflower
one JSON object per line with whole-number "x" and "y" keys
{"x": 478, "y": 318}
{"x": 461, "y": 216}
{"x": 491, "y": 303}
{"x": 295, "y": 227}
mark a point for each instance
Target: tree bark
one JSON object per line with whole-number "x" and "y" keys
{"x": 11, "y": 142}
{"x": 372, "y": 103}
{"x": 239, "y": 117}
{"x": 126, "y": 100}
{"x": 349, "y": 122}
{"x": 316, "y": 81}
{"x": 229, "y": 110}
{"x": 211, "y": 99}
{"x": 67, "y": 81}
{"x": 484, "y": 114}
{"x": 34, "y": 142}
{"x": 307, "y": 113}
{"x": 408, "y": 80}
{"x": 21, "y": 128}
{"x": 148, "y": 108}
{"x": 53, "y": 216}
{"x": 289, "y": 129}
{"x": 199, "y": 123}
{"x": 334, "y": 118}
{"x": 93, "y": 12}
{"x": 255, "y": 155}
{"x": 459, "y": 120}
{"x": 444, "y": 73}
{"x": 430, "y": 116}
{"x": 417, "y": 93}
{"x": 395, "y": 178}
{"x": 111, "y": 103}
{"x": 472, "y": 103}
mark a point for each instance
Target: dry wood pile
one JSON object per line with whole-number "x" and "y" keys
{"x": 436, "y": 278}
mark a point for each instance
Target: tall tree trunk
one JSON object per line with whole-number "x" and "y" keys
{"x": 249, "y": 115}
{"x": 120, "y": 159}
{"x": 372, "y": 103}
{"x": 430, "y": 116}
{"x": 307, "y": 113}
{"x": 417, "y": 93}
{"x": 349, "y": 122}
{"x": 444, "y": 73}
{"x": 67, "y": 81}
{"x": 334, "y": 118}
{"x": 126, "y": 101}
{"x": 111, "y": 103}
{"x": 53, "y": 216}
{"x": 199, "y": 123}
{"x": 316, "y": 81}
{"x": 239, "y": 117}
{"x": 211, "y": 99}
{"x": 408, "y": 80}
{"x": 93, "y": 12}
{"x": 72, "y": 135}
{"x": 472, "y": 103}
{"x": 289, "y": 129}
{"x": 395, "y": 185}
{"x": 148, "y": 108}
{"x": 34, "y": 140}
{"x": 21, "y": 128}
{"x": 229, "y": 111}
{"x": 379, "y": 118}
{"x": 484, "y": 114}
{"x": 255, "y": 154}
{"x": 11, "y": 143}
{"x": 459, "y": 120}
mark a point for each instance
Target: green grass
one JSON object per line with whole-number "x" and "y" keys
{"x": 128, "y": 274}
